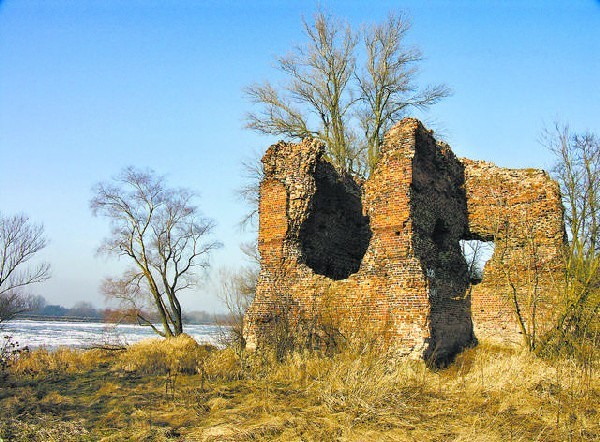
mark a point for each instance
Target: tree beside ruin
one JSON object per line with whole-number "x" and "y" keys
{"x": 20, "y": 241}
{"x": 161, "y": 233}
{"x": 345, "y": 87}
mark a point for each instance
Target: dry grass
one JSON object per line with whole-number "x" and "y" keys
{"x": 160, "y": 356}
{"x": 489, "y": 394}
{"x": 63, "y": 360}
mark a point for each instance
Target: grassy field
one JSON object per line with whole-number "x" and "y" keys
{"x": 178, "y": 390}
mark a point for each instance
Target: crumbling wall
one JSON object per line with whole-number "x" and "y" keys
{"x": 439, "y": 220}
{"x": 335, "y": 235}
{"x": 381, "y": 260}
{"x": 520, "y": 210}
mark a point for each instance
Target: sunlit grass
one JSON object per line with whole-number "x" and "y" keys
{"x": 160, "y": 356}
{"x": 179, "y": 390}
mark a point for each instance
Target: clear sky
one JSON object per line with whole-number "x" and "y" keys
{"x": 90, "y": 86}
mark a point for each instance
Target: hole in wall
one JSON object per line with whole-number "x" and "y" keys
{"x": 335, "y": 236}
{"x": 440, "y": 233}
{"x": 476, "y": 253}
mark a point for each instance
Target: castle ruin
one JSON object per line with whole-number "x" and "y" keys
{"x": 382, "y": 259}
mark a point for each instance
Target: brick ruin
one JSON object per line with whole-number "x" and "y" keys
{"x": 382, "y": 260}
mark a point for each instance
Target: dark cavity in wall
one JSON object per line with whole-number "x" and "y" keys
{"x": 440, "y": 234}
{"x": 335, "y": 235}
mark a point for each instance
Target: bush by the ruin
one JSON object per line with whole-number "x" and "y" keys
{"x": 157, "y": 356}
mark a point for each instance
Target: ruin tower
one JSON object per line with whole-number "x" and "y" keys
{"x": 379, "y": 260}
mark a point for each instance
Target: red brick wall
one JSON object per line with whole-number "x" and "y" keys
{"x": 521, "y": 211}
{"x": 411, "y": 288}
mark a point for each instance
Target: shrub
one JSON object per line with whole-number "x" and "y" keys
{"x": 224, "y": 364}
{"x": 63, "y": 360}
{"x": 158, "y": 356}
{"x": 10, "y": 352}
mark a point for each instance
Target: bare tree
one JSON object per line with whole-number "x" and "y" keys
{"x": 328, "y": 97}
{"x": 386, "y": 85}
{"x": 319, "y": 73}
{"x": 523, "y": 270}
{"x": 476, "y": 254}
{"x": 249, "y": 191}
{"x": 20, "y": 240}
{"x": 237, "y": 290}
{"x": 577, "y": 171}
{"x": 161, "y": 232}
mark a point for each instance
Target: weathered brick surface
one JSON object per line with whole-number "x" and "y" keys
{"x": 341, "y": 260}
{"x": 521, "y": 211}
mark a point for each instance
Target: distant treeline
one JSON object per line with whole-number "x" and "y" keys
{"x": 85, "y": 311}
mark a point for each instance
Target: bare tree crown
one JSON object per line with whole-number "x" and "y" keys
{"x": 329, "y": 96}
{"x": 577, "y": 170}
{"x": 164, "y": 237}
{"x": 20, "y": 241}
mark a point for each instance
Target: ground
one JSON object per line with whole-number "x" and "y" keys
{"x": 180, "y": 391}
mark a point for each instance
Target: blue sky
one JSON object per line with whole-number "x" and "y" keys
{"x": 88, "y": 87}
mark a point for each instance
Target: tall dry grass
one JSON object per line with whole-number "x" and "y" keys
{"x": 41, "y": 362}
{"x": 490, "y": 393}
{"x": 156, "y": 356}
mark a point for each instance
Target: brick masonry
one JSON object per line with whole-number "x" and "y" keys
{"x": 381, "y": 260}
{"x": 521, "y": 211}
